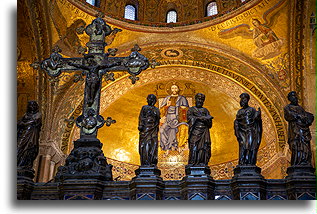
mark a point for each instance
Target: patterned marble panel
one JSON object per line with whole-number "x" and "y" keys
{"x": 198, "y": 196}
{"x": 250, "y": 196}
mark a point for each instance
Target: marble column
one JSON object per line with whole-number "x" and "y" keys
{"x": 45, "y": 165}
{"x": 52, "y": 170}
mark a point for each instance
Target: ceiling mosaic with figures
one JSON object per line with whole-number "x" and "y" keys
{"x": 245, "y": 46}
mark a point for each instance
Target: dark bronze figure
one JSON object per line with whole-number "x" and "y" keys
{"x": 93, "y": 80}
{"x": 29, "y": 128}
{"x": 95, "y": 66}
{"x": 149, "y": 120}
{"x": 199, "y": 121}
{"x": 248, "y": 130}
{"x": 299, "y": 136}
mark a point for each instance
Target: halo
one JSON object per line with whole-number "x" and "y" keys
{"x": 169, "y": 85}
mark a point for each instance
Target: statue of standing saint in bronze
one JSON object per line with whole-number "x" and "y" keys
{"x": 199, "y": 121}
{"x": 149, "y": 120}
{"x": 248, "y": 130}
{"x": 299, "y": 136}
{"x": 29, "y": 128}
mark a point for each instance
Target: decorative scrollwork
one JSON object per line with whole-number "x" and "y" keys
{"x": 85, "y": 161}
{"x": 109, "y": 121}
{"x": 137, "y": 62}
{"x": 82, "y": 50}
{"x": 133, "y": 79}
{"x": 78, "y": 77}
{"x": 53, "y": 64}
{"x": 109, "y": 76}
{"x": 36, "y": 65}
{"x": 89, "y": 122}
{"x": 112, "y": 51}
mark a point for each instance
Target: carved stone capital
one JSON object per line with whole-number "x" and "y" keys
{"x": 52, "y": 149}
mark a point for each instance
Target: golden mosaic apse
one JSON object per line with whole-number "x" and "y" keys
{"x": 124, "y": 102}
{"x": 262, "y": 47}
{"x": 121, "y": 139}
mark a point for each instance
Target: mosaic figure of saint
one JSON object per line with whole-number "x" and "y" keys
{"x": 173, "y": 112}
{"x": 268, "y": 44}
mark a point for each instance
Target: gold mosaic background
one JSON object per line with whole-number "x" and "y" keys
{"x": 227, "y": 41}
{"x": 123, "y": 102}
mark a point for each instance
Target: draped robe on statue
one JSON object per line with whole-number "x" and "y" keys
{"x": 299, "y": 134}
{"x": 175, "y": 114}
{"x": 199, "y": 121}
{"x": 148, "y": 147}
{"x": 29, "y": 128}
{"x": 248, "y": 130}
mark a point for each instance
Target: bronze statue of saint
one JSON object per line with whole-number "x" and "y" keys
{"x": 299, "y": 135}
{"x": 29, "y": 128}
{"x": 248, "y": 130}
{"x": 149, "y": 120}
{"x": 199, "y": 121}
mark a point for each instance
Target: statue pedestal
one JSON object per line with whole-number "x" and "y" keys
{"x": 248, "y": 183}
{"x": 197, "y": 184}
{"x": 147, "y": 185}
{"x": 300, "y": 171}
{"x": 86, "y": 161}
{"x": 301, "y": 183}
{"x": 85, "y": 171}
{"x": 247, "y": 171}
{"x": 25, "y": 183}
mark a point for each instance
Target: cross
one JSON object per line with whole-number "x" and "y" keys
{"x": 94, "y": 66}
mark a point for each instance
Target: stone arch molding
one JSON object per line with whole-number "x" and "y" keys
{"x": 210, "y": 58}
{"x": 268, "y": 155}
{"x": 193, "y": 74}
{"x": 231, "y": 63}
{"x": 205, "y": 54}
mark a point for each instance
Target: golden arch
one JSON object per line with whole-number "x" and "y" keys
{"x": 124, "y": 85}
{"x": 268, "y": 103}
